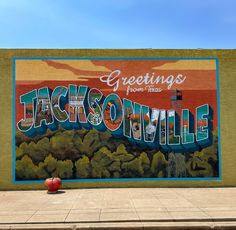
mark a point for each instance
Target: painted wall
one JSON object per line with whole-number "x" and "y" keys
{"x": 117, "y": 118}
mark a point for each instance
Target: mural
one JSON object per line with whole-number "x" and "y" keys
{"x": 115, "y": 118}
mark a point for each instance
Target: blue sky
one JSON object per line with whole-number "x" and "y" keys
{"x": 118, "y": 24}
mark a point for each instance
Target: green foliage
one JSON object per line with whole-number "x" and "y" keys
{"x": 138, "y": 167}
{"x": 23, "y": 148}
{"x": 77, "y": 141}
{"x": 133, "y": 168}
{"x": 115, "y": 166}
{"x": 199, "y": 167}
{"x": 63, "y": 145}
{"x": 64, "y": 169}
{"x": 204, "y": 163}
{"x": 100, "y": 162}
{"x": 47, "y": 167}
{"x": 145, "y": 161}
{"x": 122, "y": 154}
{"x": 19, "y": 153}
{"x": 83, "y": 167}
{"x": 159, "y": 165}
{"x": 93, "y": 154}
{"x": 25, "y": 169}
{"x": 36, "y": 151}
{"x": 94, "y": 140}
{"x": 53, "y": 168}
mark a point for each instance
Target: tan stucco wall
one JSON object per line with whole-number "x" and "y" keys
{"x": 227, "y": 74}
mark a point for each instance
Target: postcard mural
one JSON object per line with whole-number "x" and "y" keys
{"x": 115, "y": 118}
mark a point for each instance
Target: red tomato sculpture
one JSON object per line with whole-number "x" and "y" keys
{"x": 52, "y": 184}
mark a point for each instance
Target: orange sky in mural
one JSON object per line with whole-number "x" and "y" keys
{"x": 200, "y": 74}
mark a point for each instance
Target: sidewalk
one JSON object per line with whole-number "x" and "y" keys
{"x": 124, "y": 208}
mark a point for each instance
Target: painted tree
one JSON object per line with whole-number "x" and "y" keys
{"x": 83, "y": 167}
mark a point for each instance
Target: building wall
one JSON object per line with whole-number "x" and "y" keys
{"x": 227, "y": 72}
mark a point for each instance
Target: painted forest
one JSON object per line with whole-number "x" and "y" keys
{"x": 91, "y": 154}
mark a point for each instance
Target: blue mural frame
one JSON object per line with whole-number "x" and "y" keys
{"x": 14, "y": 181}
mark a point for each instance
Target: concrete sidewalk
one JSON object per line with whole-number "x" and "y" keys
{"x": 128, "y": 208}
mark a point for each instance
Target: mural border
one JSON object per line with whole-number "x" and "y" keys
{"x": 15, "y": 58}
